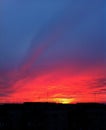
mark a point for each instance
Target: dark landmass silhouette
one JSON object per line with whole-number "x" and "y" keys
{"x": 52, "y": 116}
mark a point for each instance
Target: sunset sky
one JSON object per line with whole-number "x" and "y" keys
{"x": 52, "y": 51}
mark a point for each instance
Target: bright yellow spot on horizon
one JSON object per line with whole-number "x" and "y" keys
{"x": 64, "y": 100}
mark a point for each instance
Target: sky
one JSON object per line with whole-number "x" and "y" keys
{"x": 52, "y": 51}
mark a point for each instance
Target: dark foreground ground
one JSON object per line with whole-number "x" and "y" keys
{"x": 49, "y": 116}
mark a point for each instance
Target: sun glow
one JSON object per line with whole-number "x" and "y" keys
{"x": 64, "y": 100}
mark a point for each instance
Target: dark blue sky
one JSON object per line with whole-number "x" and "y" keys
{"x": 48, "y": 34}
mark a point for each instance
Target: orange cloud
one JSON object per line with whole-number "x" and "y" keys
{"x": 56, "y": 84}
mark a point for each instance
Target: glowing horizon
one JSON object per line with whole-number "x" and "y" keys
{"x": 57, "y": 86}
